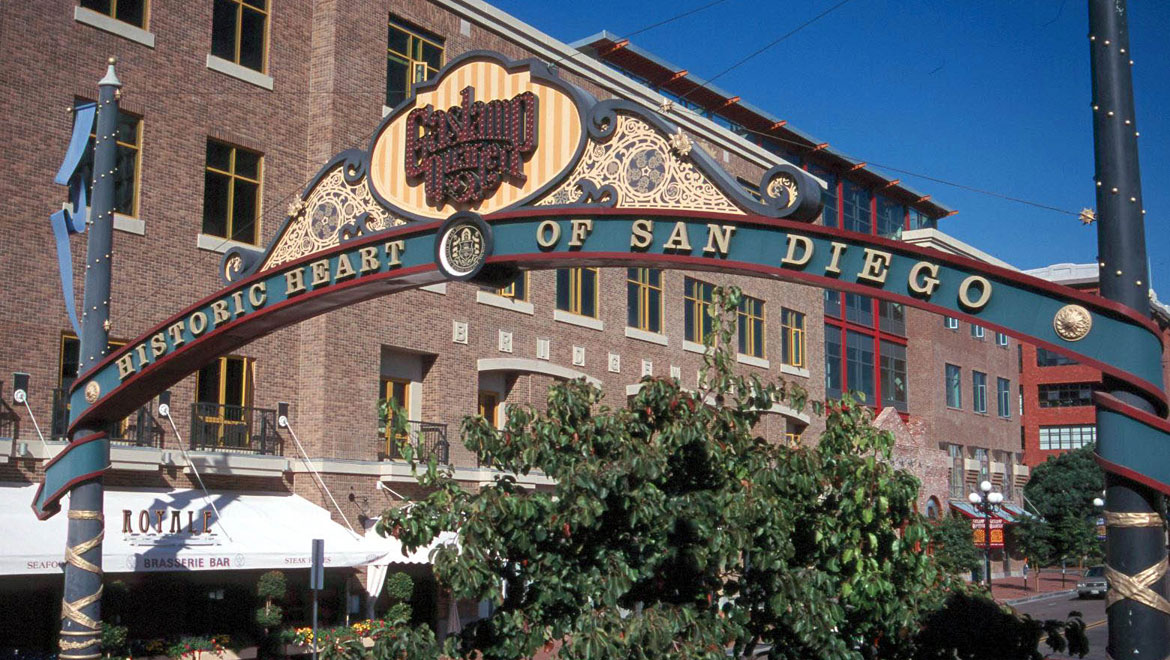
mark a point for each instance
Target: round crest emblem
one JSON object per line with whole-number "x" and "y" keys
{"x": 92, "y": 391}
{"x": 464, "y": 243}
{"x": 1072, "y": 322}
{"x": 784, "y": 187}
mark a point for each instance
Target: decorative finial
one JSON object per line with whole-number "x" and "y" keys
{"x": 1087, "y": 216}
{"x": 666, "y": 106}
{"x": 112, "y": 61}
{"x": 680, "y": 143}
{"x": 111, "y": 78}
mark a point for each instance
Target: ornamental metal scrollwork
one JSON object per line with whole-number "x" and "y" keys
{"x": 637, "y": 167}
{"x": 338, "y": 208}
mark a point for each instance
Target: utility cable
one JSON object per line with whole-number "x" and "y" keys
{"x": 650, "y": 27}
{"x": 164, "y": 409}
{"x": 283, "y": 422}
{"x": 783, "y": 37}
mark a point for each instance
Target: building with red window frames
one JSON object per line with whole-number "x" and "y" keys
{"x": 1056, "y": 392}
{"x": 227, "y": 114}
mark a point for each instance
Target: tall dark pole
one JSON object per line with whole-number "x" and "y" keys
{"x": 987, "y": 543}
{"x": 1133, "y": 544}
{"x": 81, "y": 605}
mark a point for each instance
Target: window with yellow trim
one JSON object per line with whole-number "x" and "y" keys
{"x": 412, "y": 56}
{"x": 231, "y": 192}
{"x": 133, "y": 12}
{"x": 792, "y": 337}
{"x": 489, "y": 406}
{"x": 644, "y": 299}
{"x": 239, "y": 32}
{"x": 223, "y": 392}
{"x": 128, "y": 137}
{"x": 577, "y": 291}
{"x": 68, "y": 366}
{"x": 517, "y": 289}
{"x": 394, "y": 399}
{"x": 750, "y": 318}
{"x": 697, "y": 321}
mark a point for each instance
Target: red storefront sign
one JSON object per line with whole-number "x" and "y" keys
{"x": 979, "y": 525}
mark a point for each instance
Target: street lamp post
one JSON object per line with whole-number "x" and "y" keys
{"x": 986, "y": 501}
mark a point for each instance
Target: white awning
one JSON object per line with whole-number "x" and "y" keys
{"x": 177, "y": 530}
{"x": 391, "y": 552}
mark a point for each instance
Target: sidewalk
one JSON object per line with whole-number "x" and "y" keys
{"x": 1048, "y": 581}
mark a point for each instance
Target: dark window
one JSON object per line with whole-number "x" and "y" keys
{"x": 893, "y": 374}
{"x": 750, "y": 317}
{"x": 833, "y": 304}
{"x": 697, "y": 322}
{"x": 412, "y": 56}
{"x": 977, "y": 331}
{"x": 231, "y": 193}
{"x": 855, "y": 214}
{"x": 859, "y": 363}
{"x": 1065, "y": 395}
{"x": 1001, "y": 339}
{"x": 238, "y": 32}
{"x": 954, "y": 385}
{"x": 517, "y": 289}
{"x": 1003, "y": 391}
{"x": 919, "y": 220}
{"x": 792, "y": 337}
{"x": 892, "y": 317}
{"x": 890, "y": 218}
{"x": 1067, "y": 437}
{"x": 859, "y": 309}
{"x": 577, "y": 291}
{"x": 128, "y": 138}
{"x": 127, "y": 11}
{"x": 644, "y": 299}
{"x": 1046, "y": 358}
{"x": 951, "y": 322}
{"x": 979, "y": 391}
{"x": 832, "y": 362}
{"x": 828, "y": 196}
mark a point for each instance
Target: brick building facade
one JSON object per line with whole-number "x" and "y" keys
{"x": 259, "y": 115}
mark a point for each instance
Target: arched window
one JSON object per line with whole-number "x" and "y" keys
{"x": 932, "y": 508}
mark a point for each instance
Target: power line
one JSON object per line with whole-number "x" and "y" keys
{"x": 652, "y": 26}
{"x": 791, "y": 32}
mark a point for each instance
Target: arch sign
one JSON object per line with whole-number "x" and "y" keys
{"x": 496, "y": 166}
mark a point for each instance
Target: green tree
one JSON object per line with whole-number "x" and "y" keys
{"x": 672, "y": 531}
{"x": 1062, "y": 490}
{"x": 954, "y": 546}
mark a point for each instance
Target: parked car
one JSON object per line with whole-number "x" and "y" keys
{"x": 1092, "y": 583}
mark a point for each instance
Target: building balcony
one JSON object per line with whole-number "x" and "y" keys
{"x": 140, "y": 429}
{"x": 426, "y": 439}
{"x": 235, "y": 429}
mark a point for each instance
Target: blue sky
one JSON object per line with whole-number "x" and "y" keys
{"x": 993, "y": 95}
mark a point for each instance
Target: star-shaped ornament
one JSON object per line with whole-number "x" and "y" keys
{"x": 1087, "y": 216}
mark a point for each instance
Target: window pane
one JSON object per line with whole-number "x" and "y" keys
{"x": 563, "y": 287}
{"x": 101, "y": 6}
{"x": 954, "y": 387}
{"x": 855, "y": 214}
{"x": 588, "y": 292}
{"x": 892, "y": 317}
{"x": 124, "y": 180}
{"x": 633, "y": 299}
{"x": 832, "y": 362}
{"x": 247, "y": 164}
{"x": 654, "y": 313}
{"x": 132, "y": 12}
{"x": 219, "y": 155}
{"x": 234, "y": 380}
{"x": 223, "y": 29}
{"x": 70, "y": 361}
{"x": 397, "y": 72}
{"x": 127, "y": 130}
{"x": 397, "y": 40}
{"x": 859, "y": 364}
{"x": 244, "y": 212}
{"x": 833, "y": 304}
{"x": 890, "y": 218}
{"x": 252, "y": 40}
{"x": 207, "y": 384}
{"x": 893, "y": 375}
{"x": 215, "y": 204}
{"x": 432, "y": 55}
{"x": 859, "y": 309}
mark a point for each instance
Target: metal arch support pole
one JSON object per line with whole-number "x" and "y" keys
{"x": 81, "y": 604}
{"x": 1136, "y": 629}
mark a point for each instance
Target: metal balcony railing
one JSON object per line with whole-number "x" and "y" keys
{"x": 242, "y": 429}
{"x": 426, "y": 438}
{"x": 9, "y": 422}
{"x": 140, "y": 429}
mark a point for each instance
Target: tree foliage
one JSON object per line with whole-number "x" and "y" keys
{"x": 954, "y": 546}
{"x": 1062, "y": 490}
{"x": 673, "y": 531}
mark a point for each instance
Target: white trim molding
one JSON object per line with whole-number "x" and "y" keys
{"x": 113, "y": 26}
{"x": 130, "y": 225}
{"x": 794, "y": 371}
{"x": 643, "y": 335}
{"x": 562, "y": 316}
{"x": 527, "y": 365}
{"x": 220, "y": 245}
{"x": 752, "y": 361}
{"x": 504, "y": 302}
{"x": 238, "y": 72}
